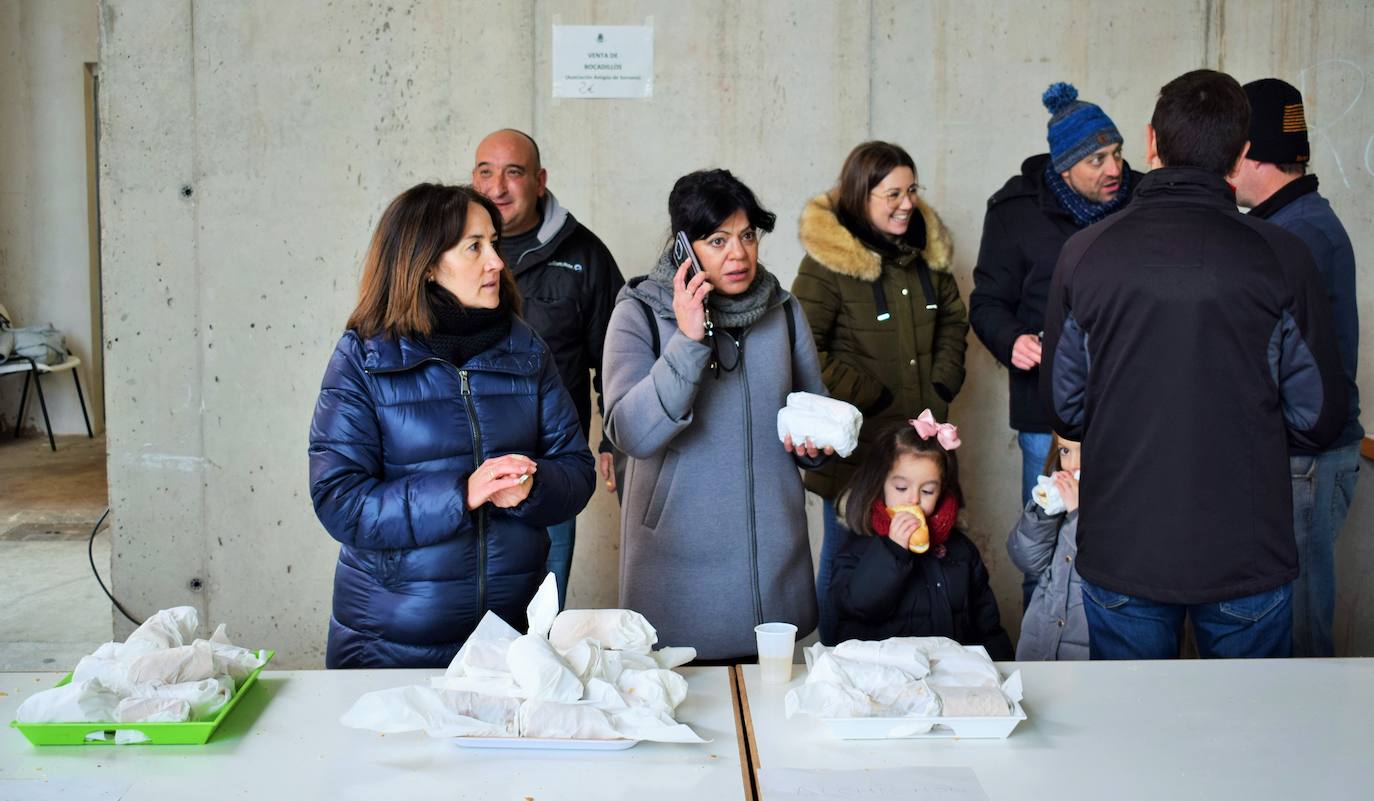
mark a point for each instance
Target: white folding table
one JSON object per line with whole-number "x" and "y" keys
{"x": 1184, "y": 729}
{"x": 284, "y": 741}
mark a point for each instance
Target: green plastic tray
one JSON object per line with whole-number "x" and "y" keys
{"x": 189, "y": 733}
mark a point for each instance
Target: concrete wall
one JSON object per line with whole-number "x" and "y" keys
{"x": 46, "y": 268}
{"x": 292, "y": 130}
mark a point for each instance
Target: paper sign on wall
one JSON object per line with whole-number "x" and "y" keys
{"x": 603, "y": 61}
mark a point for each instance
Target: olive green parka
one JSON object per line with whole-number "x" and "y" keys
{"x": 891, "y": 369}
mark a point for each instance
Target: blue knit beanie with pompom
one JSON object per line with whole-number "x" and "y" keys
{"x": 1076, "y": 127}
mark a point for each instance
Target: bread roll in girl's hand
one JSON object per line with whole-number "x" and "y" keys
{"x": 920, "y": 538}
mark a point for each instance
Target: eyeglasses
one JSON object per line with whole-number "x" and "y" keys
{"x": 894, "y": 196}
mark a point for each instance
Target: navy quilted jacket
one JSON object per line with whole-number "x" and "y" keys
{"x": 397, "y": 431}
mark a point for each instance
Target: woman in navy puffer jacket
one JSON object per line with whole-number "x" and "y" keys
{"x": 443, "y": 441}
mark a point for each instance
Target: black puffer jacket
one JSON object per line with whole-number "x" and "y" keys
{"x": 569, "y": 281}
{"x": 1023, "y": 231}
{"x": 881, "y": 591}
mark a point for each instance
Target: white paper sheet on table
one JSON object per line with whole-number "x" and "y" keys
{"x": 889, "y": 784}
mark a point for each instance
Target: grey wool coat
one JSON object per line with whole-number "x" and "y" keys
{"x": 713, "y": 537}
{"x": 1055, "y": 626}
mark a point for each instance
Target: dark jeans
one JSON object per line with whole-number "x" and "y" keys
{"x": 1126, "y": 627}
{"x": 562, "y": 538}
{"x": 1323, "y": 486}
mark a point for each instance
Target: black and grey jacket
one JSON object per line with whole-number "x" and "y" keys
{"x": 569, "y": 282}
{"x": 1185, "y": 345}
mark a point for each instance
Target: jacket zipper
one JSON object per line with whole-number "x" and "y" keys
{"x": 749, "y": 471}
{"x": 477, "y": 458}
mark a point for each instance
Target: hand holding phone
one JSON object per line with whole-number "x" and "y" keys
{"x": 690, "y": 288}
{"x": 682, "y": 251}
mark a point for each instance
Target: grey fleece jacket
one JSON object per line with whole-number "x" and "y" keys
{"x": 713, "y": 535}
{"x": 1055, "y": 626}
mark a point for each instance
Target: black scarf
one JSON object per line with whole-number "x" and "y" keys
{"x": 459, "y": 332}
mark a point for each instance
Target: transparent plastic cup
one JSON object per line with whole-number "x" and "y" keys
{"x": 775, "y": 642}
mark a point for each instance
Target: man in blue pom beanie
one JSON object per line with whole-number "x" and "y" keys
{"x": 1081, "y": 180}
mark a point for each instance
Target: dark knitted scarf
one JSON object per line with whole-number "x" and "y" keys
{"x": 459, "y": 333}
{"x": 1085, "y": 212}
{"x": 727, "y": 311}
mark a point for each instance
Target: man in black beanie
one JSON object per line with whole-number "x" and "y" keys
{"x": 1273, "y": 183}
{"x": 1186, "y": 346}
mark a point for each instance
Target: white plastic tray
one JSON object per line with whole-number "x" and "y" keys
{"x": 544, "y": 744}
{"x": 934, "y": 728}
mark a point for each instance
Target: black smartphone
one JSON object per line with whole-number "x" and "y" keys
{"x": 682, "y": 251}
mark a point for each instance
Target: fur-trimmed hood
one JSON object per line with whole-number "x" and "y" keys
{"x": 828, "y": 242}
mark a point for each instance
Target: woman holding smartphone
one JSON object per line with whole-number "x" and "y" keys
{"x": 699, "y": 359}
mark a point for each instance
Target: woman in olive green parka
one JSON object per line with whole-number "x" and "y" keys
{"x": 884, "y": 311}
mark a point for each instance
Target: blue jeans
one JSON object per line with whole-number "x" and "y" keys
{"x": 561, "y": 539}
{"x": 1035, "y": 449}
{"x": 833, "y": 540}
{"x": 1323, "y": 486}
{"x": 1126, "y": 627}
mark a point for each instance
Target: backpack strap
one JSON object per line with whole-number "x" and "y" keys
{"x": 648, "y": 315}
{"x": 791, "y": 324}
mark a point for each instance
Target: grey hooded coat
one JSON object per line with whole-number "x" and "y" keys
{"x": 713, "y": 535}
{"x": 1055, "y": 626}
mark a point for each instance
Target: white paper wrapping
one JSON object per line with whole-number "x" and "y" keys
{"x": 543, "y": 608}
{"x": 540, "y": 673}
{"x": 1046, "y": 494}
{"x": 656, "y": 689}
{"x": 75, "y": 702}
{"x": 827, "y": 421}
{"x": 152, "y": 710}
{"x": 565, "y": 722}
{"x": 173, "y": 665}
{"x": 438, "y": 713}
{"x": 902, "y": 677}
{"x": 910, "y": 654}
{"x": 613, "y": 629}
{"x": 974, "y": 702}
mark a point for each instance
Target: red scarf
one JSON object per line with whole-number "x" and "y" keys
{"x": 940, "y": 524}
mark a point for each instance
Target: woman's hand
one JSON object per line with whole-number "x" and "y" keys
{"x": 504, "y": 480}
{"x": 689, "y": 302}
{"x": 1068, "y": 489}
{"x": 903, "y": 526}
{"x": 807, "y": 449}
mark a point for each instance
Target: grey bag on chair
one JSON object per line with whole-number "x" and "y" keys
{"x": 42, "y": 343}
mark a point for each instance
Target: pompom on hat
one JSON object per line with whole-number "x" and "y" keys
{"x": 1077, "y": 128}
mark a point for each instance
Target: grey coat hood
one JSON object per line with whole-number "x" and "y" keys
{"x": 713, "y": 521}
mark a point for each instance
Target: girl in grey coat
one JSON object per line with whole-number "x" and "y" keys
{"x": 713, "y": 523}
{"x": 1047, "y": 546}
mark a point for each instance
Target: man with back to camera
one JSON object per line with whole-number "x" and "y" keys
{"x": 1083, "y": 179}
{"x": 569, "y": 282}
{"x": 1185, "y": 345}
{"x": 1273, "y": 183}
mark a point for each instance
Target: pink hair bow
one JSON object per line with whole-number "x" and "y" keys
{"x": 946, "y": 433}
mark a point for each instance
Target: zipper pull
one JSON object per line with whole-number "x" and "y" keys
{"x": 463, "y": 376}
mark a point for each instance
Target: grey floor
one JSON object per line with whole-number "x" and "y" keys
{"x": 54, "y": 612}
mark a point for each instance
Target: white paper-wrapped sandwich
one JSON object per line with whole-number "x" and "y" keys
{"x": 827, "y": 422}
{"x": 593, "y": 677}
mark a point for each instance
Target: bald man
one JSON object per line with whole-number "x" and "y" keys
{"x": 569, "y": 281}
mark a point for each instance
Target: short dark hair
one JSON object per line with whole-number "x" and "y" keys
{"x": 864, "y": 168}
{"x": 702, "y": 200}
{"x": 866, "y": 485}
{"x": 1296, "y": 168}
{"x": 1202, "y": 119}
{"x": 412, "y": 235}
